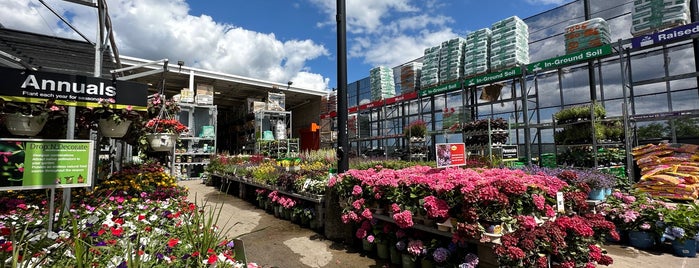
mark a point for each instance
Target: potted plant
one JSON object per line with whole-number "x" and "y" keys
{"x": 112, "y": 120}
{"x": 161, "y": 133}
{"x": 416, "y": 130}
{"x": 636, "y": 213}
{"x": 28, "y": 119}
{"x": 596, "y": 180}
{"x": 682, "y": 227}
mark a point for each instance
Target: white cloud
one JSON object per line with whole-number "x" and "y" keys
{"x": 154, "y": 29}
{"x": 364, "y": 16}
{"x": 390, "y": 32}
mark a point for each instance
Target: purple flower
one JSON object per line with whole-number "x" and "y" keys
{"x": 470, "y": 261}
{"x": 677, "y": 232}
{"x": 231, "y": 244}
{"x": 400, "y": 245}
{"x": 440, "y": 254}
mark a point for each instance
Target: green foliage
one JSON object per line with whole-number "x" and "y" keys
{"x": 651, "y": 131}
{"x": 361, "y": 163}
{"x": 580, "y": 112}
{"x": 685, "y": 216}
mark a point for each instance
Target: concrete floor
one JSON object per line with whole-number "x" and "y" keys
{"x": 272, "y": 242}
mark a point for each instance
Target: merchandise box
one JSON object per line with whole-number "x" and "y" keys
{"x": 205, "y": 89}
{"x": 207, "y": 132}
{"x": 276, "y": 101}
{"x": 187, "y": 95}
{"x": 258, "y": 106}
{"x": 204, "y": 99}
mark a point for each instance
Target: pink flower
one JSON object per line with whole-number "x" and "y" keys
{"x": 356, "y": 190}
{"x": 629, "y": 199}
{"x": 367, "y": 214}
{"x": 361, "y": 233}
{"x": 528, "y": 222}
{"x": 403, "y": 219}
{"x": 436, "y": 208}
{"x": 416, "y": 247}
{"x": 618, "y": 195}
{"x": 395, "y": 208}
{"x": 357, "y": 204}
{"x": 539, "y": 201}
{"x": 370, "y": 238}
{"x": 630, "y": 216}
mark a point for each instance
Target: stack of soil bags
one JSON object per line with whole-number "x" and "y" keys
{"x": 587, "y": 34}
{"x": 668, "y": 170}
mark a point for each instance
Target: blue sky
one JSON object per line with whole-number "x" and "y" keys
{"x": 274, "y": 40}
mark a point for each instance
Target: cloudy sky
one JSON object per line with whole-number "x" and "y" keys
{"x": 275, "y": 40}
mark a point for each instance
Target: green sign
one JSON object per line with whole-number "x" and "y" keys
{"x": 493, "y": 77}
{"x": 40, "y": 164}
{"x": 440, "y": 89}
{"x": 569, "y": 59}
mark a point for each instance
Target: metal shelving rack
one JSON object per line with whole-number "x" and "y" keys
{"x": 194, "y": 151}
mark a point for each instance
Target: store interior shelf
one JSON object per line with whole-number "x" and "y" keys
{"x": 192, "y": 155}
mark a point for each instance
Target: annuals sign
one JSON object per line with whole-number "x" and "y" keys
{"x": 450, "y": 154}
{"x": 73, "y": 90}
{"x": 40, "y": 164}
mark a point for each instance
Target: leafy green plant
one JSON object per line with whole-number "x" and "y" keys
{"x": 682, "y": 221}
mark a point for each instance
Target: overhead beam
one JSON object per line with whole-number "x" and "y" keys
{"x": 11, "y": 59}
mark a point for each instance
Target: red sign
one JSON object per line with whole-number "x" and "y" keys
{"x": 353, "y": 109}
{"x": 404, "y": 97}
{"x": 450, "y": 154}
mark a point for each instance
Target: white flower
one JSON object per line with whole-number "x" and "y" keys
{"x": 146, "y": 257}
{"x": 64, "y": 234}
{"x": 52, "y": 235}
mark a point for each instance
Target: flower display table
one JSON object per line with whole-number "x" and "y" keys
{"x": 243, "y": 186}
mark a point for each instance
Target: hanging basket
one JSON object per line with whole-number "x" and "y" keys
{"x": 161, "y": 142}
{"x": 25, "y": 125}
{"x": 113, "y": 129}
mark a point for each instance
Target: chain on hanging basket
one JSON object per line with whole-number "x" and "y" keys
{"x": 164, "y": 121}
{"x": 163, "y": 130}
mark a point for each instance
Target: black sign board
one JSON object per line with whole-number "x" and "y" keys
{"x": 72, "y": 90}
{"x": 509, "y": 152}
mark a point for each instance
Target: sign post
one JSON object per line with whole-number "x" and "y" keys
{"x": 450, "y": 154}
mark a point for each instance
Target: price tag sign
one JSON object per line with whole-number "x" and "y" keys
{"x": 559, "y": 202}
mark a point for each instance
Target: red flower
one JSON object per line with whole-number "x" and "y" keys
{"x": 212, "y": 259}
{"x": 195, "y": 254}
{"x": 6, "y": 247}
{"x": 173, "y": 242}
{"x": 119, "y": 221}
{"x": 117, "y": 231}
{"x": 141, "y": 217}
